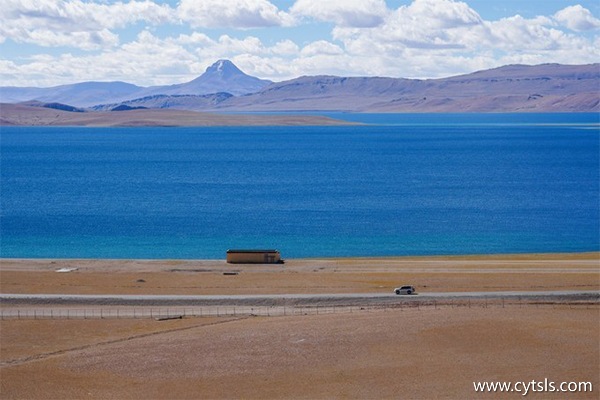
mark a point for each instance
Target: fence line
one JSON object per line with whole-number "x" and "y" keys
{"x": 141, "y": 312}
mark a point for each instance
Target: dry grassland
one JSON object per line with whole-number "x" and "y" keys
{"x": 578, "y": 271}
{"x": 410, "y": 354}
{"x": 390, "y": 353}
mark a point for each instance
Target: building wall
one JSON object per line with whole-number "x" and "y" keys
{"x": 253, "y": 257}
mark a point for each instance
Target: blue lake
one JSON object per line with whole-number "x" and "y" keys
{"x": 405, "y": 185}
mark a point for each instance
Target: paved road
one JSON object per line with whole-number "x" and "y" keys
{"x": 234, "y": 299}
{"x": 57, "y": 306}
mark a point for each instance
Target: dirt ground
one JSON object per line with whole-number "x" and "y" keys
{"x": 388, "y": 353}
{"x": 577, "y": 271}
{"x": 410, "y": 354}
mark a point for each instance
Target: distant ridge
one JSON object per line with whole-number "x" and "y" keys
{"x": 177, "y": 102}
{"x": 513, "y": 88}
{"x": 83, "y": 94}
{"x": 224, "y": 87}
{"x": 55, "y": 106}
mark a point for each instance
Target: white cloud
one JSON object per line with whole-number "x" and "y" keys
{"x": 74, "y": 23}
{"x": 196, "y": 38}
{"x": 248, "y": 45}
{"x": 347, "y": 13}
{"x": 440, "y": 14}
{"x": 423, "y": 24}
{"x": 150, "y": 60}
{"x": 577, "y": 18}
{"x": 430, "y": 38}
{"x": 285, "y": 48}
{"x": 517, "y": 34}
{"x": 427, "y": 38}
{"x": 232, "y": 13}
{"x": 147, "y": 60}
{"x": 81, "y": 39}
{"x": 321, "y": 47}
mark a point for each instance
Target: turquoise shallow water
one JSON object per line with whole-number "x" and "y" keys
{"x": 450, "y": 184}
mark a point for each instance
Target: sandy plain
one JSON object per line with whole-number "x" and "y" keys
{"x": 525, "y": 272}
{"x": 384, "y": 353}
{"x": 387, "y": 354}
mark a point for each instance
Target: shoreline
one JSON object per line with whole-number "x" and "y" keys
{"x": 535, "y": 255}
{"x": 347, "y": 263}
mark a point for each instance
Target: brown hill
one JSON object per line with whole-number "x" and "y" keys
{"x": 514, "y": 88}
{"x": 25, "y": 115}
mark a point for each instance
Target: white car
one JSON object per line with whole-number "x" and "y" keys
{"x": 405, "y": 290}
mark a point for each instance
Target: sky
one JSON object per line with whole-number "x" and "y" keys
{"x": 153, "y": 42}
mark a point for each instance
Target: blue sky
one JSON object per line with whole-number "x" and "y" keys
{"x": 153, "y": 42}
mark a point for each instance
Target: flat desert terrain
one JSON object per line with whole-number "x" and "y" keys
{"x": 408, "y": 354}
{"x": 526, "y": 272}
{"x": 375, "y": 353}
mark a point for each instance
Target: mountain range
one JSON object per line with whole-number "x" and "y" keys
{"x": 224, "y": 87}
{"x": 514, "y": 88}
{"x": 223, "y": 76}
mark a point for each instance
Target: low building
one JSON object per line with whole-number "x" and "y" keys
{"x": 253, "y": 257}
